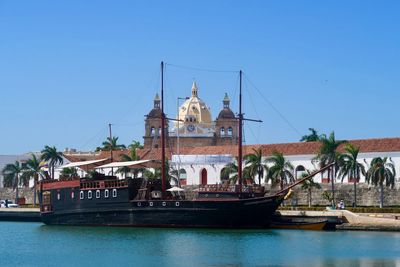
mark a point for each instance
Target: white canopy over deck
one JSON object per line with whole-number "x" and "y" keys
{"x": 129, "y": 164}
{"x": 83, "y": 163}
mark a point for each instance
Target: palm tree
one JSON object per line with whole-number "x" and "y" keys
{"x": 309, "y": 185}
{"x": 328, "y": 154}
{"x": 131, "y": 157}
{"x": 69, "y": 172}
{"x": 381, "y": 172}
{"x": 230, "y": 170}
{"x": 254, "y": 165}
{"x": 53, "y": 157}
{"x": 156, "y": 174}
{"x": 280, "y": 171}
{"x": 135, "y": 145}
{"x": 34, "y": 170}
{"x": 312, "y": 137}
{"x": 111, "y": 144}
{"x": 14, "y": 171}
{"x": 350, "y": 167}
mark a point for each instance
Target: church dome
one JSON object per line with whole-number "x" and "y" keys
{"x": 194, "y": 110}
{"x": 226, "y": 112}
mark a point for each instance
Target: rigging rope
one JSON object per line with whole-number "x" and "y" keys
{"x": 273, "y": 107}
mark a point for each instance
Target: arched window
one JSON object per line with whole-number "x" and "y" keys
{"x": 222, "y": 131}
{"x": 152, "y": 131}
{"x": 230, "y": 131}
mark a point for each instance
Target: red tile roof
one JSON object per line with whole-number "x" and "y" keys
{"x": 288, "y": 149}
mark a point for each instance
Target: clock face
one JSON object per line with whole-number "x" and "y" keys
{"x": 190, "y": 128}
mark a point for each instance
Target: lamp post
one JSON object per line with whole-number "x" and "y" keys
{"x": 177, "y": 137}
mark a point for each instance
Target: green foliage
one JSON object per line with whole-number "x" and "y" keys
{"x": 11, "y": 173}
{"x": 280, "y": 171}
{"x": 381, "y": 172}
{"x": 131, "y": 157}
{"x": 53, "y": 157}
{"x": 328, "y": 151}
{"x": 111, "y": 144}
{"x": 312, "y": 137}
{"x": 254, "y": 165}
{"x": 327, "y": 196}
{"x": 328, "y": 154}
{"x": 156, "y": 174}
{"x": 349, "y": 166}
{"x": 69, "y": 172}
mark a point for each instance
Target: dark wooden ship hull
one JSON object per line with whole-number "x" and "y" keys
{"x": 68, "y": 203}
{"x": 249, "y": 213}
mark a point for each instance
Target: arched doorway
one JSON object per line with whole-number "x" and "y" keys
{"x": 299, "y": 171}
{"x": 182, "y": 177}
{"x": 203, "y": 177}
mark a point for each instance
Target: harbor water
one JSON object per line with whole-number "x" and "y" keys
{"x": 35, "y": 244}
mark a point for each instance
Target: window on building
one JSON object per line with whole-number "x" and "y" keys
{"x": 230, "y": 131}
{"x": 152, "y": 131}
{"x": 97, "y": 193}
{"x": 89, "y": 194}
{"x": 81, "y": 195}
{"x": 106, "y": 192}
{"x": 222, "y": 131}
{"x": 114, "y": 192}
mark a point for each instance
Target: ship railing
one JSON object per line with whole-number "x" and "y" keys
{"x": 230, "y": 188}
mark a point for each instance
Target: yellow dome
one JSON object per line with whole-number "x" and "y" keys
{"x": 194, "y": 110}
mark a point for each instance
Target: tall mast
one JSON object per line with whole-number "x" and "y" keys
{"x": 111, "y": 149}
{"x": 163, "y": 171}
{"x": 240, "y": 152}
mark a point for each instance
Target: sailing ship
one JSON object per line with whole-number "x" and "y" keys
{"x": 109, "y": 201}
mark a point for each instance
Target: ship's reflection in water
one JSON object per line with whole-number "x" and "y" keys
{"x": 39, "y": 245}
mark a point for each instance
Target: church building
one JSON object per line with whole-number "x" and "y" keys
{"x": 194, "y": 126}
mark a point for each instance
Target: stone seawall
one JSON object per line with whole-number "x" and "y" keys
{"x": 366, "y": 195}
{"x": 9, "y": 193}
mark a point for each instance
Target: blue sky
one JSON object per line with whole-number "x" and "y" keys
{"x": 68, "y": 68}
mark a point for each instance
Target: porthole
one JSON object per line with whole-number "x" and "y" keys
{"x": 114, "y": 192}
{"x": 177, "y": 204}
{"x": 81, "y": 195}
{"x": 97, "y": 193}
{"x": 151, "y": 204}
{"x": 106, "y": 192}
{"x": 164, "y": 203}
{"x": 89, "y": 194}
{"x": 139, "y": 204}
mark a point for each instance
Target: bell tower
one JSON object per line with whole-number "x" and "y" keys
{"x": 152, "y": 136}
{"x": 226, "y": 125}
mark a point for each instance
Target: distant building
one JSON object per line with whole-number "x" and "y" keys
{"x": 195, "y": 126}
